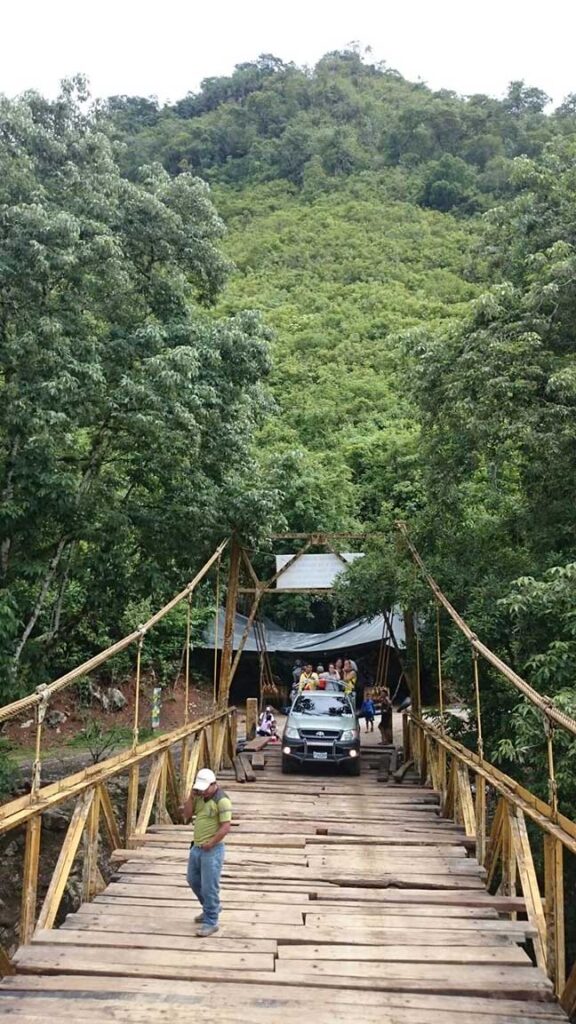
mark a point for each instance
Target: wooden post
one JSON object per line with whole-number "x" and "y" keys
{"x": 229, "y": 620}
{"x": 233, "y": 723}
{"x": 520, "y": 849}
{"x": 251, "y": 717}
{"x": 218, "y": 741}
{"x": 449, "y": 804}
{"x": 406, "y": 751}
{"x": 132, "y": 803}
{"x": 30, "y": 879}
{"x": 480, "y": 819}
{"x": 423, "y": 757}
{"x": 149, "y": 796}
{"x": 184, "y": 758}
{"x": 6, "y": 965}
{"x": 161, "y": 810}
{"x": 442, "y": 777}
{"x": 464, "y": 792}
{"x": 90, "y": 865}
{"x": 568, "y": 997}
{"x": 65, "y": 860}
{"x": 508, "y": 883}
{"x": 411, "y": 667}
{"x": 109, "y": 817}
{"x": 554, "y": 894}
{"x": 494, "y": 846}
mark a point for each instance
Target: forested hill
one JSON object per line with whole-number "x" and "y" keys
{"x": 413, "y": 251}
{"x": 355, "y": 203}
{"x": 271, "y": 120}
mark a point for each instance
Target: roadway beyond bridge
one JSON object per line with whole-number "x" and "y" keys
{"x": 344, "y": 899}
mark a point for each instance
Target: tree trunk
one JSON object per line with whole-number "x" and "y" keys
{"x": 7, "y": 495}
{"x": 48, "y": 577}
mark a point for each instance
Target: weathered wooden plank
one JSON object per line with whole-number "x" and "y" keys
{"x": 140, "y": 1011}
{"x": 280, "y": 995}
{"x": 418, "y": 954}
{"x": 520, "y": 977}
{"x": 248, "y": 771}
{"x": 43, "y": 957}
{"x": 100, "y": 1011}
{"x": 145, "y": 940}
{"x": 278, "y": 913}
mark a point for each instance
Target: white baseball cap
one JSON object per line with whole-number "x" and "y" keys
{"x": 204, "y": 780}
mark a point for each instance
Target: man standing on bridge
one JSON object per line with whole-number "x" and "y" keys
{"x": 212, "y": 811}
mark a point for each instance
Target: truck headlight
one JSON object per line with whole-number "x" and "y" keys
{"x": 291, "y": 734}
{"x": 349, "y": 735}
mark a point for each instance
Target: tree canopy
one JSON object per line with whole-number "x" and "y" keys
{"x": 127, "y": 410}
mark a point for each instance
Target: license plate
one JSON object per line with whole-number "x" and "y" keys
{"x": 320, "y": 755}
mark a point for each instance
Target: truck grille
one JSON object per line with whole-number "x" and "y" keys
{"x": 320, "y": 734}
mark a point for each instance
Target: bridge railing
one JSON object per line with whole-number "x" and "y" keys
{"x": 160, "y": 774}
{"x": 501, "y": 814}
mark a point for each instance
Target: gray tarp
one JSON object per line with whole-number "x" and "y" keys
{"x": 353, "y": 634}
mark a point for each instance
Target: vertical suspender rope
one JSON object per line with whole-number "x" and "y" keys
{"x": 40, "y": 714}
{"x": 439, "y": 661}
{"x": 187, "y": 659}
{"x": 135, "y": 730}
{"x": 552, "y": 783}
{"x": 418, "y": 681}
{"x": 216, "y": 632}
{"x": 386, "y": 665}
{"x": 478, "y": 710}
{"x": 381, "y": 654}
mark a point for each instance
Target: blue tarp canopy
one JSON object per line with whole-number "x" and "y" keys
{"x": 282, "y": 641}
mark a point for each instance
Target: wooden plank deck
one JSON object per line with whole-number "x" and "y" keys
{"x": 336, "y": 892}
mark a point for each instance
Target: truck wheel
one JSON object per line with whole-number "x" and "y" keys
{"x": 287, "y": 766}
{"x": 354, "y": 767}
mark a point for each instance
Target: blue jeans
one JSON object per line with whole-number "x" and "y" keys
{"x": 204, "y": 870}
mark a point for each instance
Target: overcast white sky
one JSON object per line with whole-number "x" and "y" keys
{"x": 166, "y": 48}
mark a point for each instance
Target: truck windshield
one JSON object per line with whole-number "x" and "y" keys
{"x": 310, "y": 704}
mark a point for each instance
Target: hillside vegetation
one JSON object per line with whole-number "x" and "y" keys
{"x": 368, "y": 316}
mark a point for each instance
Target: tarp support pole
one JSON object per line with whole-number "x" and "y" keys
{"x": 229, "y": 620}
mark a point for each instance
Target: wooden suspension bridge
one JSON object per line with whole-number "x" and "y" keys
{"x": 419, "y": 896}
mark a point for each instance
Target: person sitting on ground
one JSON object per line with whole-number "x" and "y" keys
{"x": 308, "y": 679}
{"x": 266, "y": 723}
{"x": 368, "y": 711}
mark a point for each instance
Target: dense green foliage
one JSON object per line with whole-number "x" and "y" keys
{"x": 270, "y": 120}
{"x": 126, "y": 409}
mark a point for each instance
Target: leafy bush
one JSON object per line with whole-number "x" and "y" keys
{"x": 8, "y": 770}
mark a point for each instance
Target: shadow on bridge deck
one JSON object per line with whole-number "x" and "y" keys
{"x": 343, "y": 899}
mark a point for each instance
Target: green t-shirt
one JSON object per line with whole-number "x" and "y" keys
{"x": 210, "y": 814}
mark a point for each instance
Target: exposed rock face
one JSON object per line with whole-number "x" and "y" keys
{"x": 116, "y": 699}
{"x": 55, "y": 718}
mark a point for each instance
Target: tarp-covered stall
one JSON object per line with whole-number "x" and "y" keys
{"x": 282, "y": 641}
